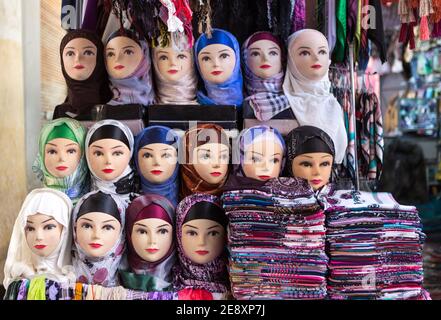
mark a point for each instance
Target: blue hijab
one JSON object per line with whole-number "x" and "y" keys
{"x": 230, "y": 92}
{"x": 158, "y": 134}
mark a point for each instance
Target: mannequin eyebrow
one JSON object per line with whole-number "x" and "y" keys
{"x": 128, "y": 47}
{"x": 111, "y": 220}
{"x": 257, "y": 153}
{"x": 140, "y": 224}
{"x": 118, "y": 146}
{"x": 161, "y": 51}
{"x": 88, "y": 47}
{"x": 162, "y": 225}
{"x": 257, "y": 48}
{"x": 48, "y": 220}
{"x": 215, "y": 226}
{"x": 189, "y": 225}
{"x": 86, "y": 219}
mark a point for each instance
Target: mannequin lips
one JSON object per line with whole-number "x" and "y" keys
{"x": 265, "y": 66}
{"x": 79, "y": 67}
{"x": 152, "y": 250}
{"x": 172, "y": 71}
{"x": 95, "y": 245}
{"x": 119, "y": 67}
{"x": 61, "y": 168}
{"x": 108, "y": 170}
{"x": 215, "y": 174}
{"x": 316, "y": 66}
{"x": 216, "y": 73}
{"x": 264, "y": 177}
{"x": 202, "y": 252}
{"x": 40, "y": 246}
{"x": 316, "y": 181}
{"x": 156, "y": 172}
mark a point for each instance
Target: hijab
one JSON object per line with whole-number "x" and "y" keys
{"x": 265, "y": 96}
{"x": 229, "y": 92}
{"x": 21, "y": 262}
{"x": 193, "y": 138}
{"x": 82, "y": 95}
{"x": 158, "y": 134}
{"x": 77, "y": 184}
{"x": 213, "y": 275}
{"x": 145, "y": 207}
{"x": 137, "y": 88}
{"x": 112, "y": 129}
{"x": 313, "y": 104}
{"x": 99, "y": 270}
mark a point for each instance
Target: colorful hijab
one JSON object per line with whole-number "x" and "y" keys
{"x": 307, "y": 139}
{"x": 82, "y": 95}
{"x": 99, "y": 270}
{"x": 21, "y": 262}
{"x": 213, "y": 275}
{"x": 136, "y": 88}
{"x": 112, "y": 129}
{"x": 229, "y": 92}
{"x": 313, "y": 104}
{"x": 182, "y": 91}
{"x": 265, "y": 96}
{"x": 158, "y": 134}
{"x": 77, "y": 184}
{"x": 193, "y": 138}
{"x": 250, "y": 136}
{"x": 145, "y": 207}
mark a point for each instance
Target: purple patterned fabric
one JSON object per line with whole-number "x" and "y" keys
{"x": 23, "y": 291}
{"x": 299, "y": 16}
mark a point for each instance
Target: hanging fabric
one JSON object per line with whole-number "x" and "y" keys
{"x": 338, "y": 55}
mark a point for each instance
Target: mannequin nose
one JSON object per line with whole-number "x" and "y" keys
{"x": 39, "y": 234}
{"x": 156, "y": 161}
{"x": 96, "y": 233}
{"x": 201, "y": 240}
{"x": 77, "y": 58}
{"x": 315, "y": 171}
{"x": 107, "y": 158}
{"x": 216, "y": 62}
{"x": 152, "y": 240}
{"x": 173, "y": 61}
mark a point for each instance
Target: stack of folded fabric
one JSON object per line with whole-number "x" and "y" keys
{"x": 432, "y": 269}
{"x": 375, "y": 246}
{"x": 276, "y": 241}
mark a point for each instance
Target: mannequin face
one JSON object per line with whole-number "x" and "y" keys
{"x": 43, "y": 234}
{"x": 216, "y": 62}
{"x": 152, "y": 238}
{"x": 123, "y": 56}
{"x": 310, "y": 53}
{"x": 315, "y": 167}
{"x": 79, "y": 58}
{"x": 157, "y": 162}
{"x": 203, "y": 240}
{"x": 263, "y": 160}
{"x": 97, "y": 233}
{"x": 172, "y": 64}
{"x": 211, "y": 162}
{"x": 61, "y": 157}
{"x": 264, "y": 59}
{"x": 108, "y": 158}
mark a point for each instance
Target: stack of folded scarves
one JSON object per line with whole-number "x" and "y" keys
{"x": 375, "y": 247}
{"x": 276, "y": 241}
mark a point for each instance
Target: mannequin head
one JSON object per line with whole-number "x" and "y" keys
{"x": 172, "y": 64}
{"x": 43, "y": 234}
{"x": 98, "y": 225}
{"x": 216, "y": 63}
{"x": 157, "y": 162}
{"x": 309, "y": 52}
{"x": 123, "y": 56}
{"x": 262, "y": 151}
{"x": 79, "y": 58}
{"x": 211, "y": 162}
{"x": 264, "y": 55}
{"x": 311, "y": 154}
{"x": 203, "y": 233}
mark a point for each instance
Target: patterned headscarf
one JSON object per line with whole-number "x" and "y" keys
{"x": 75, "y": 185}
{"x": 139, "y": 210}
{"x": 307, "y": 139}
{"x": 102, "y": 270}
{"x": 158, "y": 134}
{"x": 124, "y": 184}
{"x": 137, "y": 88}
{"x": 211, "y": 276}
{"x": 229, "y": 92}
{"x": 265, "y": 96}
{"x": 193, "y": 138}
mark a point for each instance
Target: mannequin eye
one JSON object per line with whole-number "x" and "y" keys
{"x": 205, "y": 156}
{"x": 108, "y": 227}
{"x": 224, "y": 55}
{"x": 141, "y": 231}
{"x": 117, "y": 153}
{"x": 276, "y": 160}
{"x": 70, "y": 53}
{"x": 163, "y": 57}
{"x": 166, "y": 155}
{"x": 205, "y": 58}
{"x": 182, "y": 56}
{"x": 147, "y": 155}
{"x": 323, "y": 52}
{"x": 29, "y": 229}
{"x": 255, "y": 53}
{"x": 325, "y": 164}
{"x": 162, "y": 231}
{"x": 256, "y": 159}
{"x": 52, "y": 151}
{"x": 72, "y": 151}
{"x": 224, "y": 156}
{"x": 98, "y": 153}
{"x": 110, "y": 54}
{"x": 304, "y": 53}
{"x": 49, "y": 227}
{"x": 306, "y": 164}
{"x": 213, "y": 233}
{"x": 129, "y": 52}
{"x": 86, "y": 225}
{"x": 192, "y": 233}
{"x": 89, "y": 53}
{"x": 273, "y": 53}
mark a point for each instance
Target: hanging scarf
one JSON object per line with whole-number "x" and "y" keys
{"x": 137, "y": 88}
{"x": 265, "y": 96}
{"x": 158, "y": 134}
{"x": 191, "y": 181}
{"x": 159, "y": 272}
{"x": 21, "y": 262}
{"x": 299, "y": 16}
{"x": 75, "y": 185}
{"x": 82, "y": 95}
{"x": 182, "y": 91}
{"x": 332, "y": 24}
{"x": 211, "y": 276}
{"x": 340, "y": 46}
{"x": 253, "y": 135}
{"x": 307, "y": 139}
{"x": 312, "y": 102}
{"x": 98, "y": 270}
{"x": 229, "y": 92}
{"x": 37, "y": 289}
{"x": 123, "y": 185}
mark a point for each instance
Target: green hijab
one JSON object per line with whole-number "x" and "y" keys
{"x": 77, "y": 184}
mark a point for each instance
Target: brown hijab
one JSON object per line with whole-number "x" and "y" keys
{"x": 83, "y": 95}
{"x": 194, "y": 138}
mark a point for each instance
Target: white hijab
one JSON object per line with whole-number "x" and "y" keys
{"x": 21, "y": 262}
{"x": 313, "y": 104}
